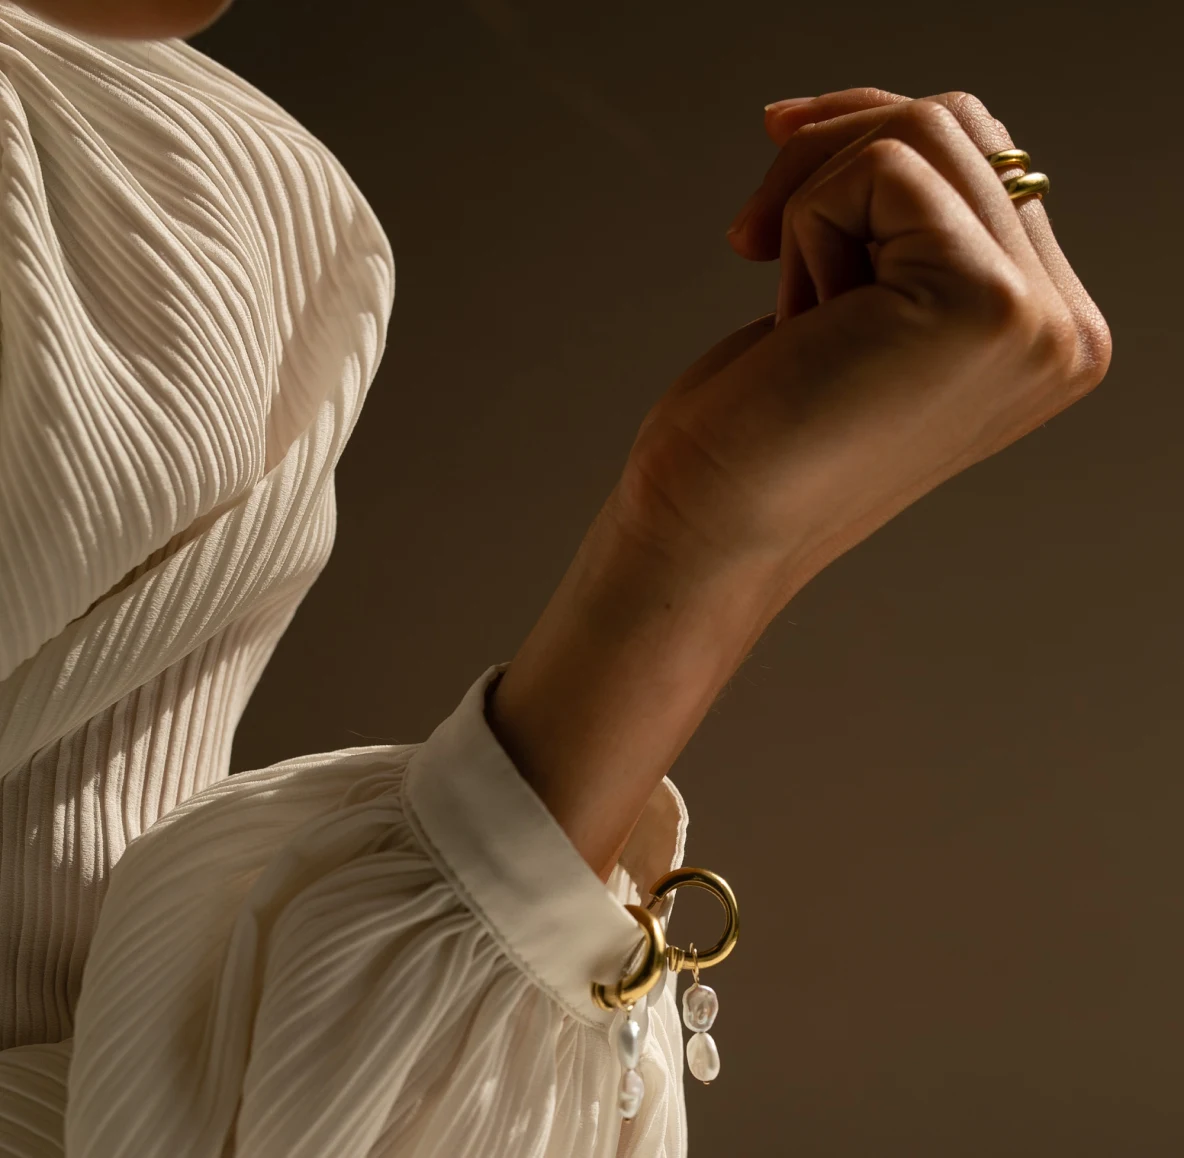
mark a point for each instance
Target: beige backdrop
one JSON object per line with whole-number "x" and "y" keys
{"x": 947, "y": 785}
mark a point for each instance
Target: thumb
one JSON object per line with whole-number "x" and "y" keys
{"x": 722, "y": 354}
{"x": 718, "y": 358}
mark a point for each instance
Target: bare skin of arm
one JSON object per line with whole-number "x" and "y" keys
{"x": 619, "y": 672}
{"x": 889, "y": 369}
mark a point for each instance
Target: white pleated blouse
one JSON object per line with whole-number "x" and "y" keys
{"x": 381, "y": 951}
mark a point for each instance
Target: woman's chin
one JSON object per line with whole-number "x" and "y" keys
{"x": 131, "y": 19}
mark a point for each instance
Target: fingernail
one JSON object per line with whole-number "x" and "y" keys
{"x": 777, "y": 106}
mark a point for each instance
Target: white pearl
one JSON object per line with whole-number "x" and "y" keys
{"x": 631, "y": 1093}
{"x": 703, "y": 1057}
{"x": 699, "y": 1008}
{"x": 629, "y": 1044}
{"x": 641, "y": 1015}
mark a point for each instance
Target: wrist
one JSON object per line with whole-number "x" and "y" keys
{"x": 673, "y": 504}
{"x": 619, "y": 671}
{"x": 643, "y": 534}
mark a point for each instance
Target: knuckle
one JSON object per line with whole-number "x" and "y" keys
{"x": 887, "y": 152}
{"x": 967, "y": 107}
{"x": 1001, "y": 306}
{"x": 977, "y": 121}
{"x": 1045, "y": 337}
{"x": 929, "y": 116}
{"x": 1055, "y": 349}
{"x": 1095, "y": 348}
{"x": 1070, "y": 355}
{"x": 1061, "y": 355}
{"x": 872, "y": 96}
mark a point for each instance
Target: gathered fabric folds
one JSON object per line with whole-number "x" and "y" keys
{"x": 380, "y": 951}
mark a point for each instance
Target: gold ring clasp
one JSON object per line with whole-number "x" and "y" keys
{"x": 659, "y": 954}
{"x": 676, "y": 958}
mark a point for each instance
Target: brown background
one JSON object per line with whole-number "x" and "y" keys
{"x": 947, "y": 785}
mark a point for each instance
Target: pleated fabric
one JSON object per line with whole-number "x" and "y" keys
{"x": 379, "y": 951}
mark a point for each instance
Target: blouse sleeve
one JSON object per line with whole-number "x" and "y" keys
{"x": 379, "y": 951}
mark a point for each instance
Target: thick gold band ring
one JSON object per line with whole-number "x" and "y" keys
{"x": 1010, "y": 159}
{"x": 658, "y": 954}
{"x": 1026, "y": 184}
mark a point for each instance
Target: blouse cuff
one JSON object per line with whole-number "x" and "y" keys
{"x": 517, "y": 870}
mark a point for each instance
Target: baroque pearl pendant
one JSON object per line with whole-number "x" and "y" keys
{"x": 629, "y": 1044}
{"x": 631, "y": 1092}
{"x": 700, "y": 1006}
{"x": 703, "y": 1057}
{"x": 627, "y": 1034}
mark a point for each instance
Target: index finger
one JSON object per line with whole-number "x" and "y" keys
{"x": 783, "y": 120}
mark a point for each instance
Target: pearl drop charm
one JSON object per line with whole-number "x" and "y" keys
{"x": 620, "y": 1036}
{"x": 629, "y": 1044}
{"x": 703, "y": 1057}
{"x": 699, "y": 1008}
{"x": 627, "y": 1037}
{"x": 630, "y": 1095}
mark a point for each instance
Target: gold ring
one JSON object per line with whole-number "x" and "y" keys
{"x": 1010, "y": 159}
{"x": 1026, "y": 184}
{"x": 677, "y": 958}
{"x": 631, "y": 989}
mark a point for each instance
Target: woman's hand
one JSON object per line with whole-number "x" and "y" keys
{"x": 924, "y": 322}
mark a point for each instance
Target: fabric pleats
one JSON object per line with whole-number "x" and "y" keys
{"x": 194, "y": 298}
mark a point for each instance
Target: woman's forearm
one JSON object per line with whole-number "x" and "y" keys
{"x": 622, "y": 666}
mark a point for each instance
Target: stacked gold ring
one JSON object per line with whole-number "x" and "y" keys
{"x": 658, "y": 954}
{"x": 1026, "y": 184}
